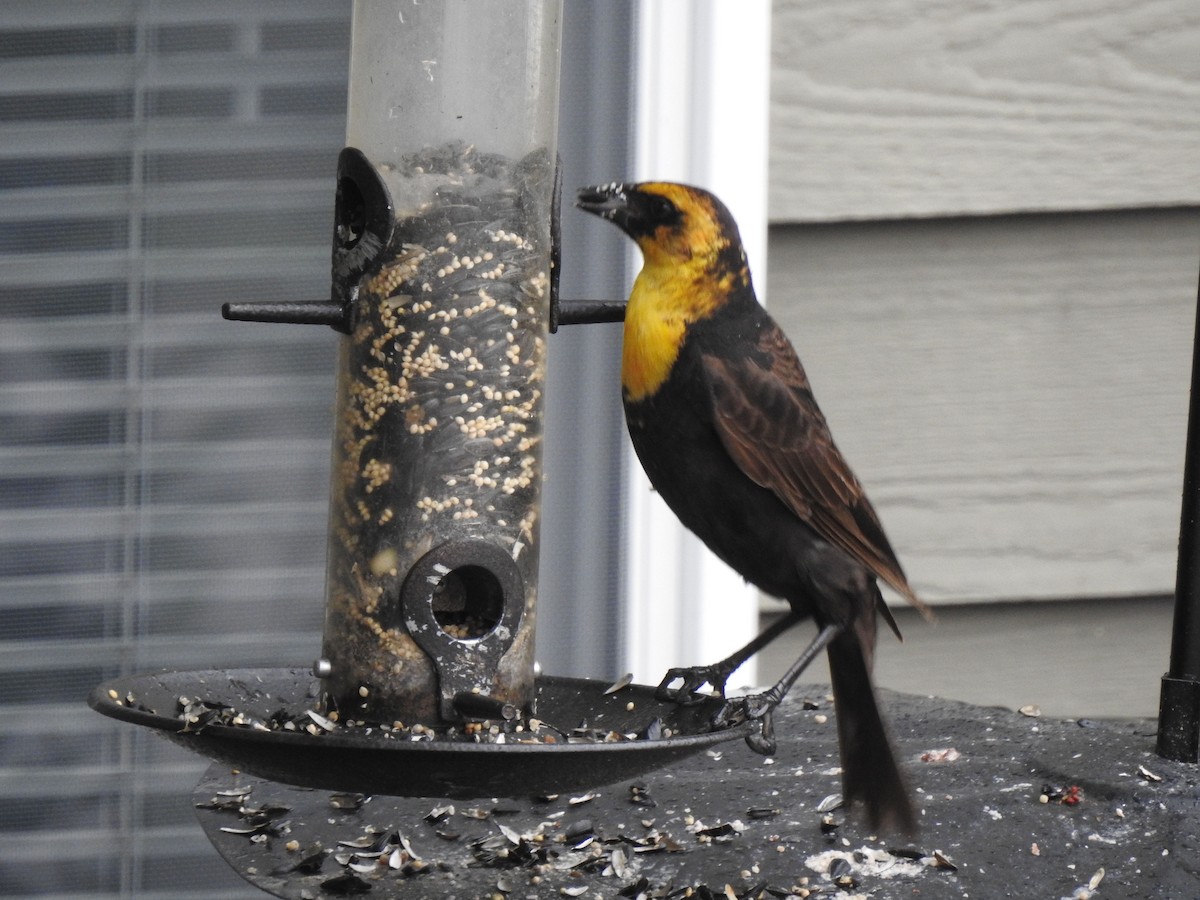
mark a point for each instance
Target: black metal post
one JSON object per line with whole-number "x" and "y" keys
{"x": 323, "y": 312}
{"x": 297, "y": 312}
{"x": 1179, "y": 701}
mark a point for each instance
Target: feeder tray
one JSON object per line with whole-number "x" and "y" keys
{"x": 378, "y": 761}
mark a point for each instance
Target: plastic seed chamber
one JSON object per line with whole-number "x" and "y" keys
{"x": 433, "y": 538}
{"x": 443, "y": 295}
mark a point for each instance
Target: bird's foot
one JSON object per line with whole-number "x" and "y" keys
{"x": 744, "y": 709}
{"x": 752, "y": 708}
{"x": 763, "y": 741}
{"x": 693, "y": 678}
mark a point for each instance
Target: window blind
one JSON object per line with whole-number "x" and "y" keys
{"x": 163, "y": 473}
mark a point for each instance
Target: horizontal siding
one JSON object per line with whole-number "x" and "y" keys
{"x": 1012, "y": 390}
{"x": 898, "y": 108}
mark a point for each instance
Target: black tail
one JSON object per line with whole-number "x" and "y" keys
{"x": 869, "y": 770}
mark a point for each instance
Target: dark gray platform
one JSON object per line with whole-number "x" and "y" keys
{"x": 712, "y": 821}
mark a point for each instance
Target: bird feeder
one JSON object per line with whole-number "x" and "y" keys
{"x": 442, "y": 265}
{"x": 444, "y": 296}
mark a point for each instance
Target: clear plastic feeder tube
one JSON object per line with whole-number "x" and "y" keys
{"x": 433, "y": 548}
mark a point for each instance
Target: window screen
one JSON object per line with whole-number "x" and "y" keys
{"x": 163, "y": 473}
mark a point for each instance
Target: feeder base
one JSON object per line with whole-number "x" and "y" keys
{"x": 383, "y": 761}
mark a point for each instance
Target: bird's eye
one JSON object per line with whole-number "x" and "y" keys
{"x": 663, "y": 209}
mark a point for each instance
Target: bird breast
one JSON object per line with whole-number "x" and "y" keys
{"x": 665, "y": 299}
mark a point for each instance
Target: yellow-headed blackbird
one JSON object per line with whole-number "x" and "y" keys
{"x": 724, "y": 421}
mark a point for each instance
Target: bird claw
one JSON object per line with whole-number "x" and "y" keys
{"x": 763, "y": 741}
{"x": 744, "y": 709}
{"x": 755, "y": 707}
{"x": 693, "y": 678}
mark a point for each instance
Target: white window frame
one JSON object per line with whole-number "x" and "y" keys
{"x": 701, "y": 117}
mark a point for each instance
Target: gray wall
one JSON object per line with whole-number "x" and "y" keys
{"x": 579, "y": 629}
{"x": 985, "y": 244}
{"x": 985, "y": 239}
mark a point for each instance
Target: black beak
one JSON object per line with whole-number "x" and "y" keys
{"x": 608, "y": 201}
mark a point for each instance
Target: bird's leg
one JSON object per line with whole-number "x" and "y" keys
{"x": 695, "y": 677}
{"x": 760, "y": 706}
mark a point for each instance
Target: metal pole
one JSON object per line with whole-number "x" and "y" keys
{"x": 1179, "y": 701}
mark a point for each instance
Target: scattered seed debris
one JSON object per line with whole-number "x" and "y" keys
{"x": 944, "y": 755}
{"x": 547, "y": 845}
{"x": 620, "y": 684}
{"x": 763, "y": 812}
{"x": 1067, "y": 795}
{"x": 346, "y": 801}
{"x": 639, "y": 795}
{"x": 847, "y": 868}
{"x": 941, "y": 861}
{"x": 829, "y": 803}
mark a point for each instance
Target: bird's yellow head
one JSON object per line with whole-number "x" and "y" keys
{"x": 693, "y": 265}
{"x": 674, "y": 224}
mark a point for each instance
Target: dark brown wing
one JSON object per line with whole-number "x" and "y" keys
{"x": 770, "y": 424}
